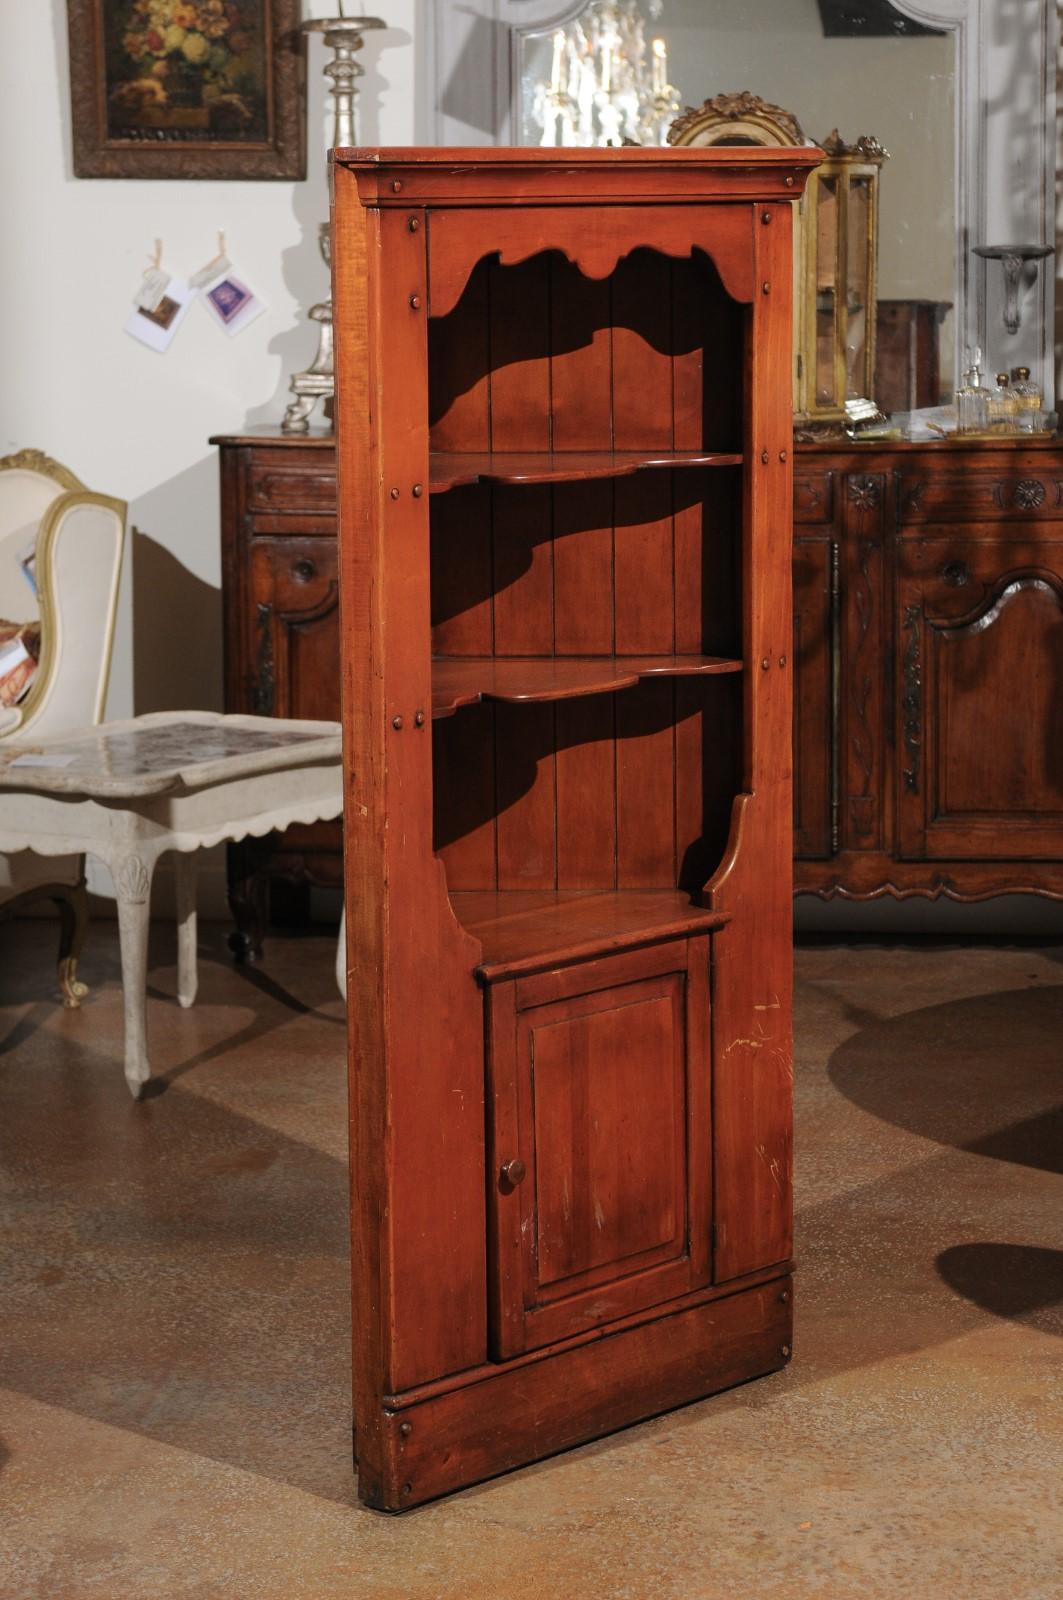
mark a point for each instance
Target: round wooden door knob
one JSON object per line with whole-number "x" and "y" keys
{"x": 513, "y": 1172}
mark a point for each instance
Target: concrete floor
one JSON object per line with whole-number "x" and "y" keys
{"x": 174, "y": 1416}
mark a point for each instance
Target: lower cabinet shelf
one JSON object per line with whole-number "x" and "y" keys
{"x": 529, "y": 930}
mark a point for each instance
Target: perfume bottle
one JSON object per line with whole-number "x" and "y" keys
{"x": 1003, "y": 407}
{"x": 971, "y": 398}
{"x": 1028, "y": 396}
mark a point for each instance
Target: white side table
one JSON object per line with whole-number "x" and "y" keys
{"x": 127, "y": 792}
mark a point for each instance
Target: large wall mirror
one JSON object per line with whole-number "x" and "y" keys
{"x": 960, "y": 92}
{"x": 862, "y": 68}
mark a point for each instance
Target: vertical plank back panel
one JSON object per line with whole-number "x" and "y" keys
{"x": 642, "y": 343}
{"x": 463, "y": 762}
{"x": 523, "y": 570}
{"x": 645, "y": 778}
{"x": 463, "y": 573}
{"x": 645, "y": 572}
{"x": 524, "y": 779}
{"x": 580, "y": 358}
{"x": 520, "y": 355}
{"x": 691, "y": 286}
{"x": 586, "y": 793}
{"x": 583, "y": 569}
{"x": 459, "y": 363}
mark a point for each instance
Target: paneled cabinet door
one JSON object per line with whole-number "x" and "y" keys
{"x": 599, "y": 1142}
{"x": 980, "y": 697}
{"x": 294, "y": 651}
{"x": 815, "y": 567}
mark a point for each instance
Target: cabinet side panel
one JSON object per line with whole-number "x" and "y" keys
{"x": 416, "y": 1018}
{"x": 753, "y": 955}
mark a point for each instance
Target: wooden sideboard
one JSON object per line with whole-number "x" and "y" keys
{"x": 928, "y": 614}
{"x": 928, "y": 600}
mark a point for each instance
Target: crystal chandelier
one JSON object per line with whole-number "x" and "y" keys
{"x": 604, "y": 87}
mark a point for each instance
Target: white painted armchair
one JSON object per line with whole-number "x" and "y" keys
{"x": 77, "y": 537}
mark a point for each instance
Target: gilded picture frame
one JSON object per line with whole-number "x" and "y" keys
{"x": 187, "y": 89}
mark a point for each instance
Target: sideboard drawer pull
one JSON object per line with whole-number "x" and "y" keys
{"x": 957, "y": 573}
{"x": 303, "y": 570}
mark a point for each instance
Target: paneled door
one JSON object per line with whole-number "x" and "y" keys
{"x": 599, "y": 1128}
{"x": 980, "y": 696}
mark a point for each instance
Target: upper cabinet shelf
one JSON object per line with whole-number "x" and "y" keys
{"x": 449, "y": 469}
{"x": 464, "y": 681}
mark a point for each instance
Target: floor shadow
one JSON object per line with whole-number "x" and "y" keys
{"x": 173, "y": 1267}
{"x": 937, "y": 1072}
{"x": 1021, "y": 1282}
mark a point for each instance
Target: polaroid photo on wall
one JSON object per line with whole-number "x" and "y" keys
{"x": 228, "y": 299}
{"x": 157, "y": 327}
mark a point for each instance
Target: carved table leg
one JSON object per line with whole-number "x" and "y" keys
{"x": 132, "y": 882}
{"x": 73, "y": 908}
{"x": 185, "y": 884}
{"x": 247, "y": 897}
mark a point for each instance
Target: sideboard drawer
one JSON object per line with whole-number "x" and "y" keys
{"x": 277, "y": 482}
{"x": 987, "y": 496}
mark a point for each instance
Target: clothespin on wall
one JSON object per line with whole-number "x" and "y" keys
{"x": 154, "y": 282}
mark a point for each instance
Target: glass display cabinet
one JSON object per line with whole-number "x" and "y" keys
{"x": 835, "y": 354}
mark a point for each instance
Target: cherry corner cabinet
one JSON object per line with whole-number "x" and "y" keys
{"x": 564, "y": 566}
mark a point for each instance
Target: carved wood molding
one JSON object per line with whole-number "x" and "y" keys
{"x": 861, "y": 734}
{"x": 263, "y": 689}
{"x": 864, "y": 491}
{"x": 322, "y": 608}
{"x": 866, "y": 147}
{"x": 937, "y": 888}
{"x": 133, "y": 881}
{"x": 37, "y": 461}
{"x": 912, "y": 696}
{"x": 456, "y": 252}
{"x": 1019, "y": 494}
{"x": 1003, "y": 592}
{"x": 779, "y": 126}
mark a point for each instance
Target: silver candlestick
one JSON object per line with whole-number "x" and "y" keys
{"x": 343, "y": 36}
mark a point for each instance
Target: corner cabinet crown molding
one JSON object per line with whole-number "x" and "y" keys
{"x": 1005, "y": 135}
{"x": 567, "y": 664}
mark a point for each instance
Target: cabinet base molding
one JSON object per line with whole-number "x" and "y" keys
{"x": 859, "y": 876}
{"x": 528, "y": 1409}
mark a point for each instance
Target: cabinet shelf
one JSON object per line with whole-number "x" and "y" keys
{"x": 529, "y": 930}
{"x": 466, "y": 680}
{"x": 450, "y": 469}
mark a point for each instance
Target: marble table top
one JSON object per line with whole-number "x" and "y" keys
{"x": 164, "y": 752}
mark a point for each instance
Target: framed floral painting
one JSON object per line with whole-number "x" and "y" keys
{"x": 187, "y": 88}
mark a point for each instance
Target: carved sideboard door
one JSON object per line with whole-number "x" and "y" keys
{"x": 979, "y": 702}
